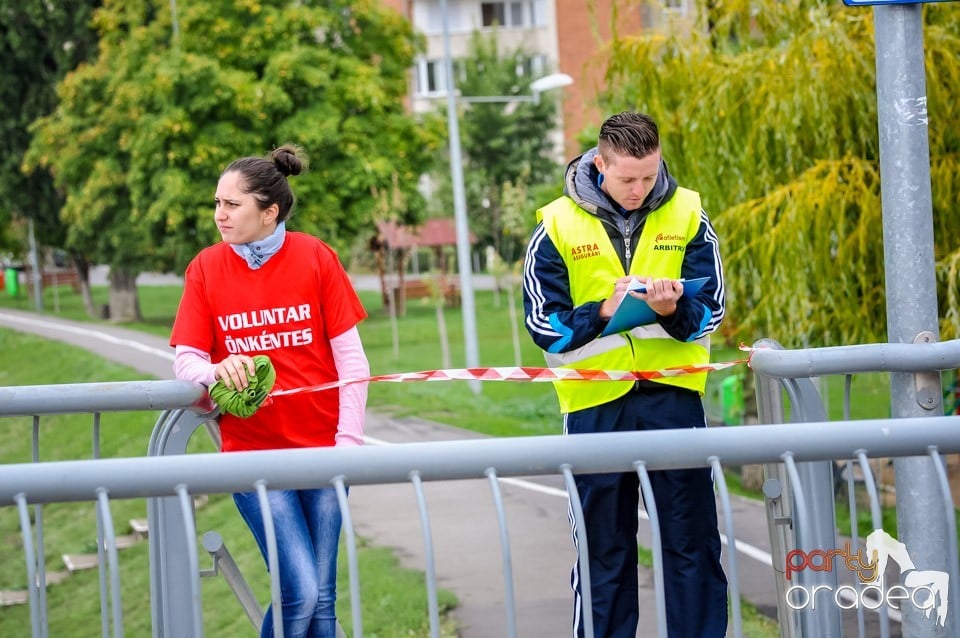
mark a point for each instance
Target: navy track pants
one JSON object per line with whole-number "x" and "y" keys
{"x": 695, "y": 585}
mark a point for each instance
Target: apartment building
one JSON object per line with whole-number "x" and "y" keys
{"x": 562, "y": 36}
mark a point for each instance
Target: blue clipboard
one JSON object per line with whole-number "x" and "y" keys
{"x": 633, "y": 312}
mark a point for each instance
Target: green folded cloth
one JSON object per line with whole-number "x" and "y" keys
{"x": 243, "y": 403}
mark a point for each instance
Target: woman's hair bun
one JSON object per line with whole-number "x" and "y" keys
{"x": 289, "y": 159}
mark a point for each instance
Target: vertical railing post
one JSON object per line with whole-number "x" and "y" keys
{"x": 816, "y": 479}
{"x": 778, "y": 500}
{"x": 171, "y": 575}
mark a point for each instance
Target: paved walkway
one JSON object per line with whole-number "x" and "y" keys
{"x": 463, "y": 521}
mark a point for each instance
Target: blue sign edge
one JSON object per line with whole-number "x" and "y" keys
{"x": 868, "y": 3}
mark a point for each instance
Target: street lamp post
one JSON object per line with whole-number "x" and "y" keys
{"x": 468, "y": 306}
{"x": 460, "y": 210}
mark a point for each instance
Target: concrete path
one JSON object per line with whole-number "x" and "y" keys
{"x": 463, "y": 523}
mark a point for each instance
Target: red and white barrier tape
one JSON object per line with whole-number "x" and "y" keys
{"x": 518, "y": 374}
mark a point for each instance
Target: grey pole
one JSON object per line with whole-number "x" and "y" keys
{"x": 171, "y": 575}
{"x": 816, "y": 480}
{"x": 35, "y": 272}
{"x": 460, "y": 208}
{"x": 910, "y": 278}
{"x": 174, "y": 21}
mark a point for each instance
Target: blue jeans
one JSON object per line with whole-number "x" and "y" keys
{"x": 307, "y": 525}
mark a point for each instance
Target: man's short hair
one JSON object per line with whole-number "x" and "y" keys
{"x": 630, "y": 134}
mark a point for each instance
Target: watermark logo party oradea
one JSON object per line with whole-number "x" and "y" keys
{"x": 924, "y": 589}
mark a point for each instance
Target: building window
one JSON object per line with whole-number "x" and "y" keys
{"x": 654, "y": 13}
{"x": 532, "y": 66}
{"x": 463, "y": 16}
{"x": 430, "y": 77}
{"x": 675, "y": 6}
{"x": 515, "y": 14}
{"x": 493, "y": 14}
{"x": 536, "y": 15}
{"x": 649, "y": 15}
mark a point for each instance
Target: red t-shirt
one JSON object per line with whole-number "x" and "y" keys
{"x": 288, "y": 309}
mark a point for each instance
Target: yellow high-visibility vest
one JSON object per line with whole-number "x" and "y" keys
{"x": 593, "y": 266}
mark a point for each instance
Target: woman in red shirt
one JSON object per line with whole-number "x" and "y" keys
{"x": 264, "y": 290}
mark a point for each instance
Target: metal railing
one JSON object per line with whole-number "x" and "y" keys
{"x": 805, "y": 519}
{"x": 223, "y": 564}
{"x": 799, "y": 488}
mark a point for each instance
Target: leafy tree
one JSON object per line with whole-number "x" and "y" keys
{"x": 771, "y": 114}
{"x": 39, "y": 43}
{"x": 506, "y": 145}
{"x": 142, "y": 133}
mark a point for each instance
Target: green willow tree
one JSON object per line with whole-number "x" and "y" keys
{"x": 141, "y": 134}
{"x": 768, "y": 108}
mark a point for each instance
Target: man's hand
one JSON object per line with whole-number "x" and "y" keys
{"x": 661, "y": 294}
{"x": 611, "y": 303}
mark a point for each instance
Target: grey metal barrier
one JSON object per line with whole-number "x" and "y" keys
{"x": 95, "y": 399}
{"x": 223, "y": 563}
{"x": 170, "y": 481}
{"x": 800, "y": 496}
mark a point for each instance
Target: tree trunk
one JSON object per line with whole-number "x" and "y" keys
{"x": 124, "y": 303}
{"x": 442, "y": 332}
{"x": 379, "y": 248}
{"x": 401, "y": 300}
{"x": 514, "y": 322}
{"x": 82, "y": 267}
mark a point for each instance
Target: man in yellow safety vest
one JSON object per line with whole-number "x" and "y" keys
{"x": 622, "y": 222}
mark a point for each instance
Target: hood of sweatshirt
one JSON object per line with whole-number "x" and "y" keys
{"x": 581, "y": 184}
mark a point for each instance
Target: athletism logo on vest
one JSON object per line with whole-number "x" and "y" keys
{"x": 670, "y": 242}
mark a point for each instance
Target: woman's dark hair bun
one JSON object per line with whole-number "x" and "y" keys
{"x": 289, "y": 159}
